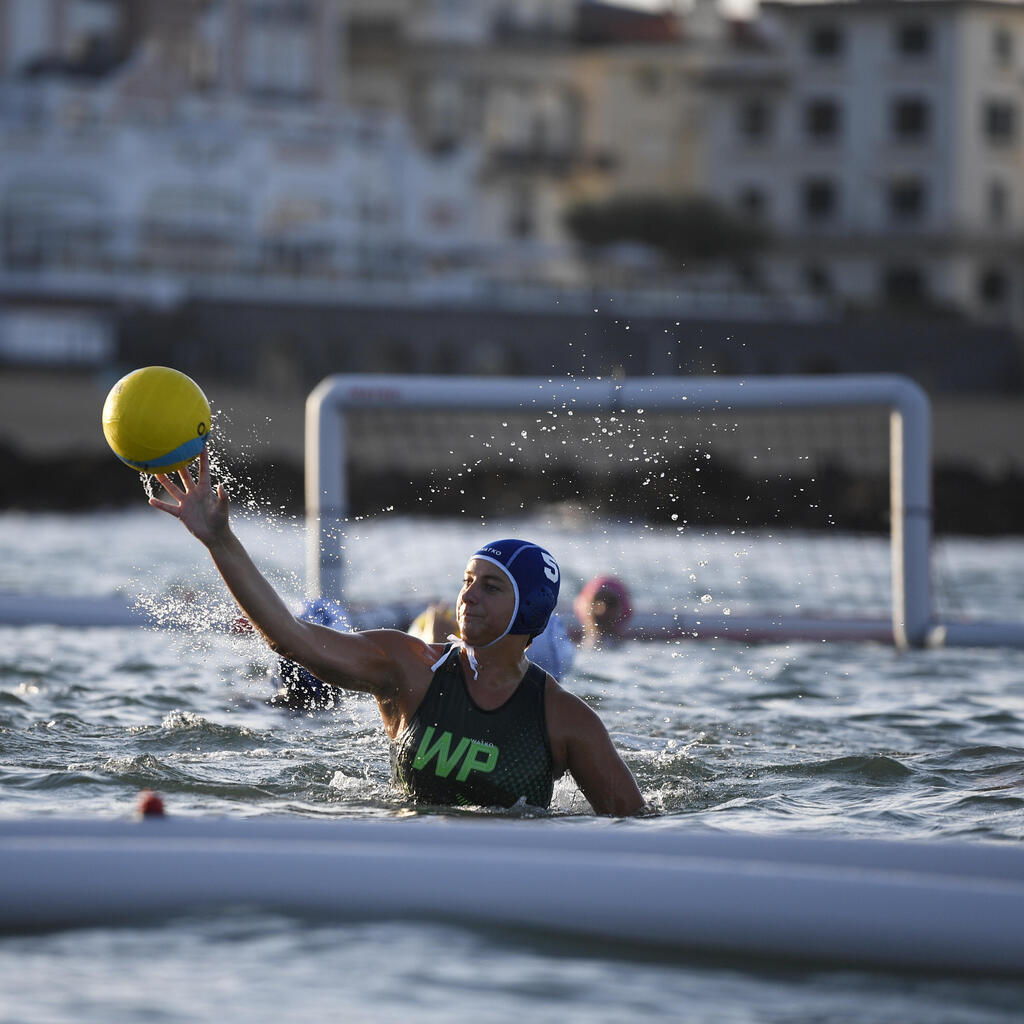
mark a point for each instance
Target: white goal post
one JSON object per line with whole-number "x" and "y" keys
{"x": 909, "y": 414}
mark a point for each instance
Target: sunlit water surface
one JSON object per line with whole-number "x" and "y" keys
{"x": 835, "y": 738}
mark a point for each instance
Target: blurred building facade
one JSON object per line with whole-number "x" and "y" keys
{"x": 881, "y": 141}
{"x": 198, "y": 138}
{"x": 564, "y": 101}
{"x": 338, "y": 139}
{"x": 310, "y": 154}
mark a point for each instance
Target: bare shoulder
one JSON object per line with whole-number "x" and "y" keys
{"x": 381, "y": 661}
{"x": 410, "y": 661}
{"x": 581, "y": 743}
{"x": 411, "y": 656}
{"x": 569, "y": 715}
{"x": 398, "y": 643}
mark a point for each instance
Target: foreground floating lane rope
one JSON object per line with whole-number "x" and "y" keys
{"x": 942, "y": 907}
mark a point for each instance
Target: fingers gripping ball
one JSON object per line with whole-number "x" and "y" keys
{"x": 156, "y": 419}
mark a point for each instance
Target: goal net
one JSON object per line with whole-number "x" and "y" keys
{"x": 764, "y": 507}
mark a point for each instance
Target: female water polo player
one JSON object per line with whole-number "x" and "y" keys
{"x": 471, "y": 722}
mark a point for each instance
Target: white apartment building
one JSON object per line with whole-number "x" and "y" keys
{"x": 206, "y": 140}
{"x": 435, "y": 142}
{"x": 881, "y": 141}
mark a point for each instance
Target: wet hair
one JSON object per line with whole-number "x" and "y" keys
{"x": 535, "y": 579}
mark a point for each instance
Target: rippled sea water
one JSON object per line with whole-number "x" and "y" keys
{"x": 845, "y": 739}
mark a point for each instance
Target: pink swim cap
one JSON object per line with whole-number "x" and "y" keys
{"x": 609, "y": 585}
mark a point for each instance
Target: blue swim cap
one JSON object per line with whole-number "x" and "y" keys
{"x": 325, "y": 612}
{"x": 535, "y": 578}
{"x": 299, "y": 688}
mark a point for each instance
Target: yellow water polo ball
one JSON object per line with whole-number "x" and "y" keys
{"x": 157, "y": 420}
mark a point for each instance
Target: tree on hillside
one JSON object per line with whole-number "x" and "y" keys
{"x": 685, "y": 230}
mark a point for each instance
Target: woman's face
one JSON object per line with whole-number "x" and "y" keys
{"x": 485, "y": 604}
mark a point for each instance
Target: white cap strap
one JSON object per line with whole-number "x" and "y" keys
{"x": 457, "y": 642}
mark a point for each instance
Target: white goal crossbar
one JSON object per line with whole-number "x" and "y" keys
{"x": 913, "y": 624}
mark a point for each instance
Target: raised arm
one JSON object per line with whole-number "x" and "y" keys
{"x": 360, "y": 661}
{"x": 581, "y": 743}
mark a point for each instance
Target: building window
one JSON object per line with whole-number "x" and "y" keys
{"x": 998, "y": 203}
{"x": 904, "y": 285}
{"x": 508, "y": 118}
{"x": 1002, "y": 46}
{"x": 825, "y": 42}
{"x": 820, "y": 200}
{"x": 907, "y": 201}
{"x": 522, "y": 212}
{"x": 913, "y": 39}
{"x": 370, "y": 35}
{"x": 999, "y": 121}
{"x": 53, "y": 224}
{"x": 442, "y": 113}
{"x": 374, "y": 208}
{"x": 817, "y": 279}
{"x": 911, "y": 119}
{"x": 993, "y": 286}
{"x": 754, "y": 121}
{"x": 822, "y": 120}
{"x": 649, "y": 80}
{"x": 279, "y": 48}
{"x": 752, "y": 202}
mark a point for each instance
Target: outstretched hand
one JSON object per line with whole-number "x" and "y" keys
{"x": 203, "y": 511}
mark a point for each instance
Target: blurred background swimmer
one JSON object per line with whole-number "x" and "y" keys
{"x": 603, "y": 611}
{"x": 297, "y": 688}
{"x": 604, "y": 617}
{"x": 552, "y": 650}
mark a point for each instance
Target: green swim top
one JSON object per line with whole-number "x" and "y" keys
{"x": 456, "y": 753}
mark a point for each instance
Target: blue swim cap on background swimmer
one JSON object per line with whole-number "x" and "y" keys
{"x": 535, "y": 579}
{"x": 299, "y": 688}
{"x": 326, "y": 612}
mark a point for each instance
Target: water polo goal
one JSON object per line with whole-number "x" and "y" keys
{"x": 754, "y": 454}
